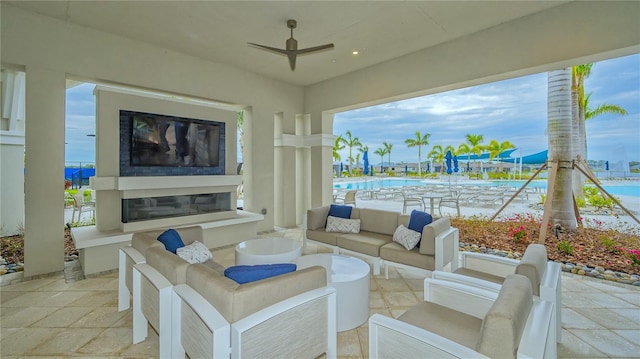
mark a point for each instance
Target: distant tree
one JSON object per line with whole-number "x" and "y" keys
{"x": 351, "y": 142}
{"x": 464, "y": 148}
{"x": 381, "y": 152}
{"x": 495, "y": 148}
{"x": 475, "y": 141}
{"x": 437, "y": 156}
{"x": 337, "y": 146}
{"x": 387, "y": 148}
{"x": 418, "y": 141}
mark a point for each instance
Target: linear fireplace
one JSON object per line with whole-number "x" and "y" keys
{"x": 144, "y": 209}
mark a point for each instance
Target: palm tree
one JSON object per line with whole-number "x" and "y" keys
{"x": 495, "y": 148}
{"x": 337, "y": 146}
{"x": 387, "y": 148}
{"x": 351, "y": 142}
{"x": 381, "y": 152}
{"x": 419, "y": 141}
{"x": 559, "y": 129}
{"x": 475, "y": 142}
{"x": 464, "y": 148}
{"x": 437, "y": 156}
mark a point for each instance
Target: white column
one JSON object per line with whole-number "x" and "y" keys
{"x": 44, "y": 178}
{"x": 321, "y": 159}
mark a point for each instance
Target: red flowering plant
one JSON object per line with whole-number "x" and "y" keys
{"x": 518, "y": 233}
{"x": 632, "y": 254}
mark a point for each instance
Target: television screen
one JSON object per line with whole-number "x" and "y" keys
{"x": 160, "y": 140}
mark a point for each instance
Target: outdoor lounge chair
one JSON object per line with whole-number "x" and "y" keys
{"x": 458, "y": 321}
{"x": 487, "y": 271}
{"x": 80, "y": 206}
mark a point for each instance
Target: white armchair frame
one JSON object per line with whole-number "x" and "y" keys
{"x": 390, "y": 337}
{"x": 152, "y": 304}
{"x": 127, "y": 258}
{"x": 550, "y": 285}
{"x": 208, "y": 333}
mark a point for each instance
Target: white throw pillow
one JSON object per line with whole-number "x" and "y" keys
{"x": 407, "y": 237}
{"x": 342, "y": 225}
{"x": 195, "y": 252}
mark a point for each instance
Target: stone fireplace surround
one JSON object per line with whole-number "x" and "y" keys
{"x": 98, "y": 245}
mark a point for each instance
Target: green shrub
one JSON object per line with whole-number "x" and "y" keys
{"x": 565, "y": 247}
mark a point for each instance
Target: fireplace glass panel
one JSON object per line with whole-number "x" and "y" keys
{"x": 144, "y": 209}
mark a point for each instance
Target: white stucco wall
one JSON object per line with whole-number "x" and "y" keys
{"x": 50, "y": 50}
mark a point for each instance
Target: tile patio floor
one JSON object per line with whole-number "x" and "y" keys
{"x": 50, "y": 318}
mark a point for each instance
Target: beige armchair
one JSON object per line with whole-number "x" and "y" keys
{"x": 292, "y": 315}
{"x": 458, "y": 321}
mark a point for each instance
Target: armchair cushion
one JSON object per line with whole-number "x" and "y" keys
{"x": 317, "y": 217}
{"x": 171, "y": 240}
{"x": 245, "y": 274}
{"x": 407, "y": 237}
{"x": 195, "y": 252}
{"x": 418, "y": 220}
{"x": 340, "y": 211}
{"x": 342, "y": 225}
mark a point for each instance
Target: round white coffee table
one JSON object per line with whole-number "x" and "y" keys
{"x": 267, "y": 251}
{"x": 350, "y": 277}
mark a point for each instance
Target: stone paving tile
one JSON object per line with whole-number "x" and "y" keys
{"x": 23, "y": 340}
{"x": 67, "y": 342}
{"x": 62, "y": 317}
{"x": 24, "y": 317}
{"x": 572, "y": 346}
{"x": 609, "y": 343}
{"x": 110, "y": 341}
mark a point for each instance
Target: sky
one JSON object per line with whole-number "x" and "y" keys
{"x": 513, "y": 110}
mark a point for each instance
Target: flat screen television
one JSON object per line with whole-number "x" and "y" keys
{"x": 162, "y": 140}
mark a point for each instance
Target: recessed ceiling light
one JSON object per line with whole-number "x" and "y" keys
{"x": 355, "y": 52}
{"x": 333, "y": 61}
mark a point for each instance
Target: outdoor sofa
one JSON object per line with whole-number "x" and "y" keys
{"x": 374, "y": 239}
{"x": 459, "y": 321}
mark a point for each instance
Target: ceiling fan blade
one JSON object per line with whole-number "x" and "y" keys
{"x": 292, "y": 60}
{"x": 269, "y": 48}
{"x": 314, "y": 49}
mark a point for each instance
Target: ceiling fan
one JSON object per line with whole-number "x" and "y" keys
{"x": 291, "y": 50}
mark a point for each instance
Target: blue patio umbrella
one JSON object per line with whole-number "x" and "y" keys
{"x": 372, "y": 170}
{"x": 406, "y": 169}
{"x": 448, "y": 157}
{"x": 341, "y": 169}
{"x": 428, "y": 167}
{"x": 468, "y": 167}
{"x": 365, "y": 159}
{"x": 606, "y": 165}
{"x": 455, "y": 164}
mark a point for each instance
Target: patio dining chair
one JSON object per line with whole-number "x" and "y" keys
{"x": 411, "y": 201}
{"x": 80, "y": 206}
{"x": 349, "y": 198}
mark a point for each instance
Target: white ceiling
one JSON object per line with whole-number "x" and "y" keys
{"x": 218, "y": 31}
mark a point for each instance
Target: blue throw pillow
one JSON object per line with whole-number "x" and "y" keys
{"x": 245, "y": 274}
{"x": 171, "y": 240}
{"x": 418, "y": 220}
{"x": 340, "y": 211}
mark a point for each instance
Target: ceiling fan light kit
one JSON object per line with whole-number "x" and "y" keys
{"x": 291, "y": 50}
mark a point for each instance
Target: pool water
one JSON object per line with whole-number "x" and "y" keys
{"x": 630, "y": 188}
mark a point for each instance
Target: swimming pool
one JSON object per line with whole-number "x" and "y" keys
{"x": 627, "y": 188}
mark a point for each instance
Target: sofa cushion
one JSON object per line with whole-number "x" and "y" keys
{"x": 418, "y": 220}
{"x": 172, "y": 267}
{"x": 504, "y": 323}
{"x": 429, "y": 234}
{"x": 251, "y": 273}
{"x": 396, "y": 253}
{"x": 407, "y": 237}
{"x": 342, "y": 225}
{"x": 171, "y": 240}
{"x": 364, "y": 242}
{"x": 235, "y": 301}
{"x": 317, "y": 217}
{"x": 195, "y": 252}
{"x": 340, "y": 211}
{"x": 377, "y": 221}
{"x": 321, "y": 235}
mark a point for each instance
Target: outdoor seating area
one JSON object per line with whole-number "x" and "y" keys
{"x": 430, "y": 197}
{"x": 81, "y": 318}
